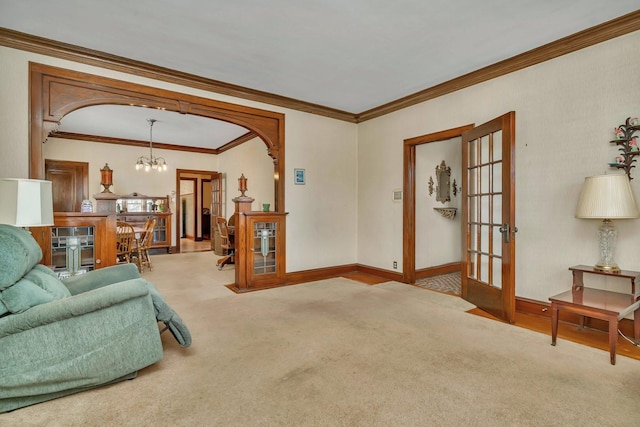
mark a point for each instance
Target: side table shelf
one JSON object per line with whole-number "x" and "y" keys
{"x": 598, "y": 304}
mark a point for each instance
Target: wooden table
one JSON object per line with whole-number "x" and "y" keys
{"x": 598, "y": 304}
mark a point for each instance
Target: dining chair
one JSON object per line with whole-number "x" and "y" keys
{"x": 125, "y": 237}
{"x": 225, "y": 243}
{"x": 142, "y": 245}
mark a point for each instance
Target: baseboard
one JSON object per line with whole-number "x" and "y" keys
{"x": 539, "y": 308}
{"x": 318, "y": 274}
{"x": 336, "y": 271}
{"x": 452, "y": 267}
{"x": 379, "y": 272}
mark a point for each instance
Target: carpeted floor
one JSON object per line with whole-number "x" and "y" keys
{"x": 447, "y": 283}
{"x": 342, "y": 353}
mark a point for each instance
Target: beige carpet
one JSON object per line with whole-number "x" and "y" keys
{"x": 341, "y": 353}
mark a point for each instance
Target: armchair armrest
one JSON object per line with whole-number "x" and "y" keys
{"x": 101, "y": 277}
{"x": 73, "y": 306}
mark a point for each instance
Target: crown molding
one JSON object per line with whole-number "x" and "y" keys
{"x": 159, "y": 145}
{"x": 132, "y": 142}
{"x": 615, "y": 28}
{"x": 41, "y": 45}
{"x": 238, "y": 141}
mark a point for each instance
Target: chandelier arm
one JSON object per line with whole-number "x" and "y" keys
{"x": 151, "y": 162}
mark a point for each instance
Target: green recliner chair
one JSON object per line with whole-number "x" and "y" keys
{"x": 63, "y": 337}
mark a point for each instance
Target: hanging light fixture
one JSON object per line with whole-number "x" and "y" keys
{"x": 151, "y": 162}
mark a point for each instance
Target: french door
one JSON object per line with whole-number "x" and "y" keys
{"x": 488, "y": 217}
{"x": 216, "y": 208}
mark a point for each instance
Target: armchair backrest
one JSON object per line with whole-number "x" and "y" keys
{"x": 19, "y": 253}
{"x": 23, "y": 282}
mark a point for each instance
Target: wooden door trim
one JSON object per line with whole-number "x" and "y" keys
{"x": 202, "y": 207}
{"x": 179, "y": 177}
{"x": 409, "y": 199}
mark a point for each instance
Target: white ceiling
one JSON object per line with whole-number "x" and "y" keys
{"x": 119, "y": 121}
{"x": 351, "y": 55}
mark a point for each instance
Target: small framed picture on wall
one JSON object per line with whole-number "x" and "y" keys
{"x": 299, "y": 176}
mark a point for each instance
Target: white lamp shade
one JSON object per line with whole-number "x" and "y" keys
{"x": 26, "y": 202}
{"x": 607, "y": 197}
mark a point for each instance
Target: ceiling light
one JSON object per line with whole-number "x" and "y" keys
{"x": 151, "y": 162}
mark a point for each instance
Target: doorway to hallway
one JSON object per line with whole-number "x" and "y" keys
{"x": 198, "y": 203}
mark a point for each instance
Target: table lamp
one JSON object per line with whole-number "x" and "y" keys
{"x": 607, "y": 197}
{"x": 26, "y": 202}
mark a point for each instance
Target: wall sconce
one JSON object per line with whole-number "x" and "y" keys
{"x": 106, "y": 178}
{"x": 242, "y": 185}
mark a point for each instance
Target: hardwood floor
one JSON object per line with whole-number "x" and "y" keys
{"x": 189, "y": 245}
{"x": 369, "y": 279}
{"x": 567, "y": 331}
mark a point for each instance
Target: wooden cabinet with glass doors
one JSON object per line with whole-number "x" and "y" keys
{"x": 137, "y": 208}
{"x": 95, "y": 233}
{"x": 260, "y": 250}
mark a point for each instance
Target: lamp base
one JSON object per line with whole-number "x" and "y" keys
{"x": 607, "y": 268}
{"x": 607, "y": 234}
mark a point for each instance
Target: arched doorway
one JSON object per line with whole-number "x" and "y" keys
{"x": 55, "y": 92}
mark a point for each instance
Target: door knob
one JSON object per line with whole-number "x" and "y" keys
{"x": 504, "y": 229}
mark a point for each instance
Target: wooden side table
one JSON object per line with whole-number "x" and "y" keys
{"x": 599, "y": 304}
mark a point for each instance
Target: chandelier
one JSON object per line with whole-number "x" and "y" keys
{"x": 151, "y": 162}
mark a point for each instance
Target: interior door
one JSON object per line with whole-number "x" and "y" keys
{"x": 488, "y": 217}
{"x": 69, "y": 184}
{"x": 216, "y": 209}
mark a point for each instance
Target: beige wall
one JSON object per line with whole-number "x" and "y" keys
{"x": 566, "y": 110}
{"x": 437, "y": 238}
{"x": 252, "y": 160}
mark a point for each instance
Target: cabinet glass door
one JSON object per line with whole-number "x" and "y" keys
{"x": 264, "y": 248}
{"x": 160, "y": 231}
{"x": 82, "y": 237}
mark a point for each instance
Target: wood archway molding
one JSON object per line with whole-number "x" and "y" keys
{"x": 55, "y": 92}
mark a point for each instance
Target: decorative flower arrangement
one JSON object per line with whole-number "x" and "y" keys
{"x": 627, "y": 144}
